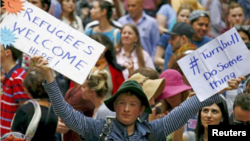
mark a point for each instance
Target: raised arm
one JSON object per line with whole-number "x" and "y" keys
{"x": 180, "y": 115}
{"x": 71, "y": 117}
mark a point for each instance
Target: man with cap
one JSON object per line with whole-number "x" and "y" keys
{"x": 129, "y": 103}
{"x": 181, "y": 34}
{"x": 200, "y": 22}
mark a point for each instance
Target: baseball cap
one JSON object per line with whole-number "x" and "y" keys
{"x": 182, "y": 28}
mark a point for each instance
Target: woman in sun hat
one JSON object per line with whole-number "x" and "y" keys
{"x": 175, "y": 91}
{"x": 152, "y": 87}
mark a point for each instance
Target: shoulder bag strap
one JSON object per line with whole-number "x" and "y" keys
{"x": 31, "y": 130}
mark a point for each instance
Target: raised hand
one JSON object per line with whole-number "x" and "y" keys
{"x": 41, "y": 64}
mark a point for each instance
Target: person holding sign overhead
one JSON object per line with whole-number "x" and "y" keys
{"x": 129, "y": 103}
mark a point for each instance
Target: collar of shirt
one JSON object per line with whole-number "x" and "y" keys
{"x": 141, "y": 130}
{"x": 133, "y": 54}
{"x": 144, "y": 17}
{"x": 7, "y": 76}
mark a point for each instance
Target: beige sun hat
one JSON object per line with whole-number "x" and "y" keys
{"x": 152, "y": 88}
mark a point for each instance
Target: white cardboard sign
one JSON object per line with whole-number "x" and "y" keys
{"x": 36, "y": 32}
{"x": 210, "y": 67}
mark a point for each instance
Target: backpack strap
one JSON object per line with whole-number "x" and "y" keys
{"x": 107, "y": 128}
{"x": 31, "y": 130}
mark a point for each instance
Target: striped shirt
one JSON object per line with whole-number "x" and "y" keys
{"x": 90, "y": 129}
{"x": 13, "y": 92}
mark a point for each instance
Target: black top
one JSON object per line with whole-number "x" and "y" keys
{"x": 23, "y": 117}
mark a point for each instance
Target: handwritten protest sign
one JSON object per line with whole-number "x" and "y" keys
{"x": 210, "y": 67}
{"x": 36, "y": 32}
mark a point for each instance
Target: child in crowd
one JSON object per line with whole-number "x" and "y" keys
{"x": 13, "y": 91}
{"x": 129, "y": 103}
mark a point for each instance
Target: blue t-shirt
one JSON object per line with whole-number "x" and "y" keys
{"x": 110, "y": 34}
{"x": 168, "y": 12}
{"x": 164, "y": 39}
{"x": 169, "y": 52}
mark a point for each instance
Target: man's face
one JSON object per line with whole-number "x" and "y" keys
{"x": 241, "y": 115}
{"x": 134, "y": 8}
{"x": 175, "y": 42}
{"x": 128, "y": 108}
{"x": 201, "y": 27}
{"x": 235, "y": 16}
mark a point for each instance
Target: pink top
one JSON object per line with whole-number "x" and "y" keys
{"x": 122, "y": 59}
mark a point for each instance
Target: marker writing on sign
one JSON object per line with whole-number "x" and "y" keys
{"x": 193, "y": 63}
{"x": 222, "y": 67}
{"x": 234, "y": 40}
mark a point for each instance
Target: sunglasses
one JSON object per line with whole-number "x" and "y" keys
{"x": 241, "y": 123}
{"x": 243, "y": 27}
{"x": 15, "y": 134}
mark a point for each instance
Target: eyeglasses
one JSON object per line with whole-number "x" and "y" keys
{"x": 241, "y": 123}
{"x": 243, "y": 27}
{"x": 15, "y": 134}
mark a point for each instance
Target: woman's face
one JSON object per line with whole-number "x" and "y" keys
{"x": 86, "y": 92}
{"x": 96, "y": 11}
{"x": 211, "y": 115}
{"x": 68, "y": 6}
{"x": 183, "y": 16}
{"x": 175, "y": 100}
{"x": 128, "y": 36}
{"x": 244, "y": 37}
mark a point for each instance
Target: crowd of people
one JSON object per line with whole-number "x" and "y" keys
{"x": 136, "y": 91}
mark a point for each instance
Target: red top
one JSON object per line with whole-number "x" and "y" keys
{"x": 117, "y": 78}
{"x": 13, "y": 92}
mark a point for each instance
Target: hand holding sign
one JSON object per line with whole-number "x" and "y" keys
{"x": 209, "y": 68}
{"x": 36, "y": 32}
{"x": 42, "y": 64}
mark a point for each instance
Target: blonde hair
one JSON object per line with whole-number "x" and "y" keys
{"x": 98, "y": 82}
